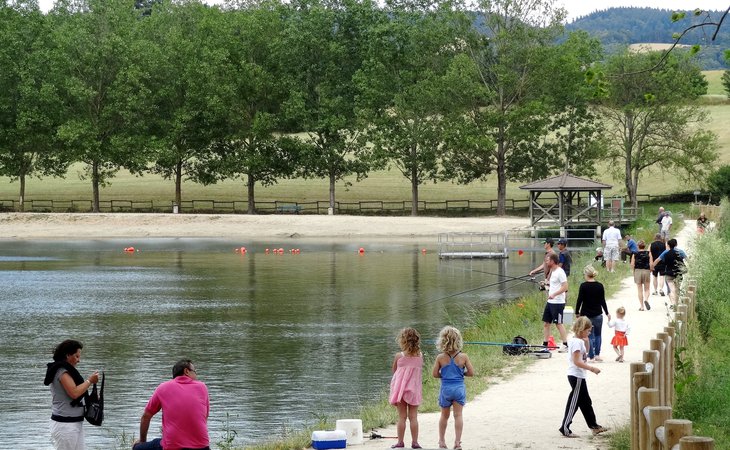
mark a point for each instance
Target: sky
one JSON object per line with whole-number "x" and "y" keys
{"x": 578, "y": 8}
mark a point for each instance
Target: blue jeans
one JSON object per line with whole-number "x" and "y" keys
{"x": 595, "y": 336}
{"x": 154, "y": 444}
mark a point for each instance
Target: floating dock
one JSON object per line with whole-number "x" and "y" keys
{"x": 472, "y": 246}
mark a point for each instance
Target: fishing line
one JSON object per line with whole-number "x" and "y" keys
{"x": 529, "y": 278}
{"x": 464, "y": 292}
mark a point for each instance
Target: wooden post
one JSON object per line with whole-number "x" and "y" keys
{"x": 638, "y": 378}
{"x": 667, "y": 356}
{"x": 681, "y": 313}
{"x": 696, "y": 443}
{"x": 659, "y": 372}
{"x": 672, "y": 363}
{"x": 647, "y": 397}
{"x": 657, "y": 416}
{"x": 674, "y": 430}
{"x": 651, "y": 359}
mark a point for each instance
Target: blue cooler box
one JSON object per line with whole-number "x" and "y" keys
{"x": 323, "y": 440}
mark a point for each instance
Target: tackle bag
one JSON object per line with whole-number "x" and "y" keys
{"x": 94, "y": 412}
{"x": 518, "y": 347}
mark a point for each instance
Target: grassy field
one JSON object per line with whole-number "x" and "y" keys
{"x": 714, "y": 83}
{"x": 387, "y": 185}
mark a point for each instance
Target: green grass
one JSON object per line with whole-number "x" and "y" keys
{"x": 714, "y": 82}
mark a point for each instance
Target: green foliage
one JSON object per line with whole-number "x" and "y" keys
{"x": 703, "y": 379}
{"x": 651, "y": 121}
{"x": 718, "y": 182}
{"x": 726, "y": 82}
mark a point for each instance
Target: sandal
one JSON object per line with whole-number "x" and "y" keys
{"x": 398, "y": 445}
{"x": 598, "y": 430}
{"x": 415, "y": 445}
{"x": 457, "y": 445}
{"x": 442, "y": 445}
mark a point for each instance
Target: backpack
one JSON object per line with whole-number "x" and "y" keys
{"x": 518, "y": 347}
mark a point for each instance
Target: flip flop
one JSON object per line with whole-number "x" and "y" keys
{"x": 415, "y": 445}
{"x": 398, "y": 445}
{"x": 648, "y": 306}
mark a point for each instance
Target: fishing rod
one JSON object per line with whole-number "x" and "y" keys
{"x": 500, "y": 344}
{"x": 465, "y": 292}
{"x": 530, "y": 278}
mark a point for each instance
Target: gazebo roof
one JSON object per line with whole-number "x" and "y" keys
{"x": 565, "y": 182}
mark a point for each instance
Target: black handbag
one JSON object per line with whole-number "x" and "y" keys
{"x": 94, "y": 413}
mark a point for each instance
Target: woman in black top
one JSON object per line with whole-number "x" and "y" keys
{"x": 641, "y": 263}
{"x": 591, "y": 300}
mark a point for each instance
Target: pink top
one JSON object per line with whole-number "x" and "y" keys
{"x": 406, "y": 386}
{"x": 185, "y": 407}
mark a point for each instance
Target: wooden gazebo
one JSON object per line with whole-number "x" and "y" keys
{"x": 565, "y": 201}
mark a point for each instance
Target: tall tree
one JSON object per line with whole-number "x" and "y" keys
{"x": 323, "y": 45}
{"x": 186, "y": 67}
{"x": 405, "y": 94}
{"x": 651, "y": 120}
{"x": 102, "y": 86}
{"x": 30, "y": 108}
{"x": 251, "y": 146}
{"x": 509, "y": 53}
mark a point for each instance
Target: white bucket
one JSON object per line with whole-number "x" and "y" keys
{"x": 568, "y": 315}
{"x": 352, "y": 428}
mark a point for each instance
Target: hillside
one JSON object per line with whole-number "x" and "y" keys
{"x": 619, "y": 27}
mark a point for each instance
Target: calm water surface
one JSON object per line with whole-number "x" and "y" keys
{"x": 280, "y": 340}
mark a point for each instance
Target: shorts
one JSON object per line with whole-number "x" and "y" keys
{"x": 451, "y": 393}
{"x": 658, "y": 270}
{"x": 553, "y": 313}
{"x": 610, "y": 253}
{"x": 67, "y": 435}
{"x": 642, "y": 276}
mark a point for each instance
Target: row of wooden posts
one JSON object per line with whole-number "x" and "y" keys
{"x": 652, "y": 388}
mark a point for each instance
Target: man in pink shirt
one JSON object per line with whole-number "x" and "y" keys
{"x": 185, "y": 407}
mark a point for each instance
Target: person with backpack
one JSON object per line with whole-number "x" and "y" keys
{"x": 656, "y": 248}
{"x": 674, "y": 266}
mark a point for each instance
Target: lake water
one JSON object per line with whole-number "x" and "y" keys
{"x": 280, "y": 340}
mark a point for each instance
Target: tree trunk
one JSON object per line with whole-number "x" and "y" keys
{"x": 95, "y": 187}
{"x": 501, "y": 174}
{"x": 21, "y": 199}
{"x": 178, "y": 183}
{"x": 250, "y": 183}
{"x": 414, "y": 184}
{"x": 629, "y": 131}
{"x": 332, "y": 191}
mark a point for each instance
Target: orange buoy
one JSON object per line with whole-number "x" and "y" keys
{"x": 520, "y": 252}
{"x": 423, "y": 250}
{"x": 361, "y": 251}
{"x": 129, "y": 249}
{"x": 266, "y": 251}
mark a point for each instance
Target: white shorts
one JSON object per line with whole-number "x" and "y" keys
{"x": 67, "y": 435}
{"x": 610, "y": 254}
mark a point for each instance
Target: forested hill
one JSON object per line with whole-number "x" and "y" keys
{"x": 618, "y": 27}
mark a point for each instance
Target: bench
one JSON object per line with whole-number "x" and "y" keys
{"x": 291, "y": 209}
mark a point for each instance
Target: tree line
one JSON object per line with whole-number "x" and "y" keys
{"x": 264, "y": 90}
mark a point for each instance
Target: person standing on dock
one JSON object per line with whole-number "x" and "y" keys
{"x": 553, "y": 312}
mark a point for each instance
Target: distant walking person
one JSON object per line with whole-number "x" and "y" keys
{"x": 666, "y": 225}
{"x": 451, "y": 366}
{"x": 622, "y": 330}
{"x": 659, "y": 218}
{"x": 656, "y": 248}
{"x": 185, "y": 408}
{"x": 591, "y": 303}
{"x": 674, "y": 266}
{"x": 641, "y": 263}
{"x": 577, "y": 366}
{"x": 610, "y": 239}
{"x": 406, "y": 385}
{"x": 702, "y": 223}
{"x": 68, "y": 391}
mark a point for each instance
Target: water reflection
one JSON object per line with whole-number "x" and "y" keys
{"x": 279, "y": 339}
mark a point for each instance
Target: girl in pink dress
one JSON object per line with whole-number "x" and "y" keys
{"x": 405, "y": 386}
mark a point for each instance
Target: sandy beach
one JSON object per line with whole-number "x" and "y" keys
{"x": 518, "y": 411}
{"x": 61, "y": 225}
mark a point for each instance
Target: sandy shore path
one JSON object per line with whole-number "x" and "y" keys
{"x": 60, "y": 225}
{"x": 525, "y": 411}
